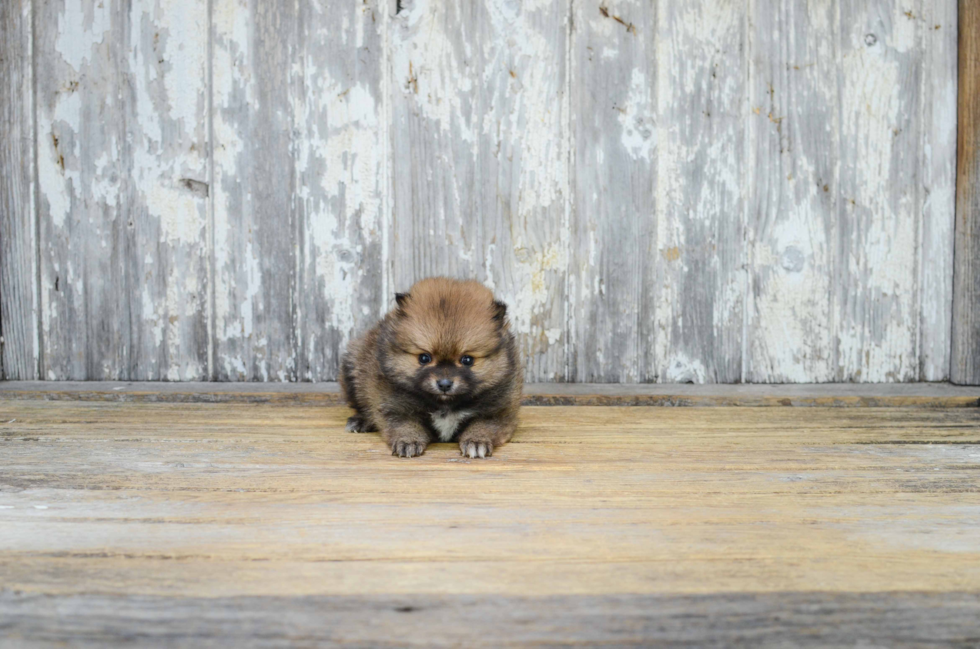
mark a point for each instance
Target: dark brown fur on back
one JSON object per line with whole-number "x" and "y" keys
{"x": 447, "y": 322}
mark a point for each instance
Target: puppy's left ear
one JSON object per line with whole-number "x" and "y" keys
{"x": 400, "y": 299}
{"x": 499, "y": 311}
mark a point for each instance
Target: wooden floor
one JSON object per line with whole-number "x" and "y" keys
{"x": 239, "y": 524}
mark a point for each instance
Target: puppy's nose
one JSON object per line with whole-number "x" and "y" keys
{"x": 445, "y": 384}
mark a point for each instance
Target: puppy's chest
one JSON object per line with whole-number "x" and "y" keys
{"x": 447, "y": 422}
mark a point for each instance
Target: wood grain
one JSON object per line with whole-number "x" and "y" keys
{"x": 792, "y": 184}
{"x": 701, "y": 96}
{"x": 479, "y": 159}
{"x": 155, "y": 506}
{"x": 341, "y": 154}
{"x": 938, "y": 33}
{"x": 122, "y": 177}
{"x": 662, "y": 192}
{"x": 612, "y": 272}
{"x": 803, "y": 619}
{"x": 256, "y": 225}
{"x": 261, "y": 524}
{"x": 876, "y": 308}
{"x": 965, "y": 363}
{"x": 20, "y": 346}
{"x": 299, "y": 173}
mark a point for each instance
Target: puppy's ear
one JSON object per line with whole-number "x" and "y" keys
{"x": 401, "y": 298}
{"x": 499, "y": 311}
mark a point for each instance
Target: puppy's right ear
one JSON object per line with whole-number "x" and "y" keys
{"x": 401, "y": 298}
{"x": 499, "y": 310}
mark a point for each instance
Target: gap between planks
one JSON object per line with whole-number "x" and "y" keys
{"x": 923, "y": 395}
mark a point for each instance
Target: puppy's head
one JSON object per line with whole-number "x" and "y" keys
{"x": 447, "y": 338}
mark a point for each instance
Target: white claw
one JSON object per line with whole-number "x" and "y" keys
{"x": 408, "y": 449}
{"x": 476, "y": 450}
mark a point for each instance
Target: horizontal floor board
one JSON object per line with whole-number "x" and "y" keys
{"x": 166, "y": 522}
{"x": 798, "y": 619}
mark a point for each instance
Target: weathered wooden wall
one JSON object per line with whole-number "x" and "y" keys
{"x": 965, "y": 363}
{"x": 20, "y": 349}
{"x": 703, "y": 191}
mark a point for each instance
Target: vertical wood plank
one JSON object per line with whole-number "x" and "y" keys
{"x": 299, "y": 171}
{"x": 122, "y": 172}
{"x": 479, "y": 158}
{"x": 256, "y": 262}
{"x": 876, "y": 309}
{"x": 791, "y": 188}
{"x": 614, "y": 77}
{"x": 18, "y": 225}
{"x": 339, "y": 98}
{"x": 965, "y": 361}
{"x": 701, "y": 93}
{"x": 938, "y": 42}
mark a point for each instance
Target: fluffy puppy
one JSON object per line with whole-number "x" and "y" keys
{"x": 442, "y": 365}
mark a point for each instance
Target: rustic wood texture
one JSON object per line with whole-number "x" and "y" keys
{"x": 807, "y": 619}
{"x": 937, "y": 30}
{"x": 876, "y": 308}
{"x": 255, "y": 221}
{"x": 965, "y": 364}
{"x": 299, "y": 154}
{"x": 340, "y": 178}
{"x": 20, "y": 346}
{"x": 122, "y": 175}
{"x": 792, "y": 183}
{"x": 700, "y": 191}
{"x": 612, "y": 268}
{"x": 878, "y": 395}
{"x": 479, "y": 159}
{"x": 155, "y": 506}
{"x": 748, "y": 190}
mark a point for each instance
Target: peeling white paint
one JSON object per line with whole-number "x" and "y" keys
{"x": 682, "y": 369}
{"x": 434, "y": 77}
{"x": 58, "y": 176}
{"x": 155, "y": 324}
{"x": 179, "y": 212}
{"x": 876, "y": 336}
{"x": 81, "y": 26}
{"x": 491, "y": 180}
{"x": 639, "y": 135}
{"x": 231, "y": 78}
{"x": 554, "y": 335}
{"x": 938, "y": 105}
{"x": 491, "y": 111}
{"x": 532, "y": 295}
{"x": 699, "y": 197}
{"x": 343, "y": 205}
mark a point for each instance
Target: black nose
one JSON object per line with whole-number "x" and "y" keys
{"x": 445, "y": 384}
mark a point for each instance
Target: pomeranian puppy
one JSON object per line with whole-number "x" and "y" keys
{"x": 442, "y": 365}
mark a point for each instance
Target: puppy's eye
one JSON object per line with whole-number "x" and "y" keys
{"x": 466, "y": 360}
{"x": 425, "y": 359}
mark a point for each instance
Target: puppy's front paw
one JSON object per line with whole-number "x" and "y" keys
{"x": 475, "y": 448}
{"x": 407, "y": 448}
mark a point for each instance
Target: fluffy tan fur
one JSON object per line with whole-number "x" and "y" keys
{"x": 443, "y": 331}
